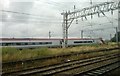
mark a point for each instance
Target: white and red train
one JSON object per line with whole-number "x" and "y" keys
{"x": 44, "y": 42}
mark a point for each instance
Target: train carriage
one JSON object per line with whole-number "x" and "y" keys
{"x": 29, "y": 42}
{"x": 44, "y": 42}
{"x": 78, "y": 41}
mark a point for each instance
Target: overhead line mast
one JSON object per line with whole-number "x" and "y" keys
{"x": 68, "y": 16}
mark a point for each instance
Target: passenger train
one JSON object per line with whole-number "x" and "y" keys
{"x": 45, "y": 42}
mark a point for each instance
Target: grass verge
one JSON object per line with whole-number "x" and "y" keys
{"x": 13, "y": 54}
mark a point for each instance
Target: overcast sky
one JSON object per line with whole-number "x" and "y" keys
{"x": 46, "y": 16}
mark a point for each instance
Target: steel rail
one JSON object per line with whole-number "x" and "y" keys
{"x": 66, "y": 63}
{"x": 100, "y": 70}
{"x": 65, "y": 66}
{"x": 60, "y": 70}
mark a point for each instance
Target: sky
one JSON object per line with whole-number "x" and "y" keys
{"x": 45, "y": 16}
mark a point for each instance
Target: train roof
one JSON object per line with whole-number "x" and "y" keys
{"x": 22, "y": 39}
{"x": 29, "y": 39}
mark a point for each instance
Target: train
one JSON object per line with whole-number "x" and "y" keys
{"x": 46, "y": 42}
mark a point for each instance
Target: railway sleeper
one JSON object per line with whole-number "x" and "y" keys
{"x": 102, "y": 70}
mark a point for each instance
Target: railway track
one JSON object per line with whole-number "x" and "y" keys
{"x": 9, "y": 63}
{"x": 69, "y": 66}
{"x": 99, "y": 71}
{"x": 26, "y": 64}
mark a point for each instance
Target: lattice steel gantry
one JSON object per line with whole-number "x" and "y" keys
{"x": 68, "y": 16}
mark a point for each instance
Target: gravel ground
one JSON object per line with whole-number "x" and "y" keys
{"x": 115, "y": 72}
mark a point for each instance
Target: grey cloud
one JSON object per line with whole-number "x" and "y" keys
{"x": 23, "y": 7}
{"x": 50, "y": 19}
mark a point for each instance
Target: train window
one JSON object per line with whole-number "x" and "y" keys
{"x": 33, "y": 43}
{"x": 49, "y": 42}
{"x": 18, "y": 43}
{"x": 45, "y": 43}
{"x": 84, "y": 41}
{"x": 89, "y": 41}
{"x": 78, "y": 41}
{"x": 7, "y": 44}
{"x": 26, "y": 43}
{"x": 40, "y": 42}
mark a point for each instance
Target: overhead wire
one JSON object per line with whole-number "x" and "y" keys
{"x": 55, "y": 4}
{"x": 28, "y": 21}
{"x": 107, "y": 28}
{"x": 91, "y": 31}
{"x": 47, "y": 20}
{"x": 27, "y": 14}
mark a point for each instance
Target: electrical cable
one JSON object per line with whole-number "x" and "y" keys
{"x": 34, "y": 16}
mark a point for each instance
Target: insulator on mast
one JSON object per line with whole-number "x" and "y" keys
{"x": 91, "y": 2}
{"x": 112, "y": 12}
{"x": 76, "y": 21}
{"x": 91, "y": 16}
{"x": 98, "y": 14}
{"x": 85, "y": 17}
